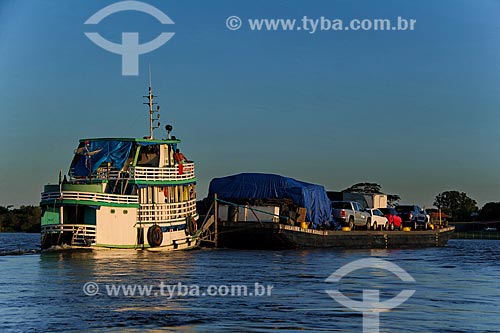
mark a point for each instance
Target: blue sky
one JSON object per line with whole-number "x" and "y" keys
{"x": 415, "y": 111}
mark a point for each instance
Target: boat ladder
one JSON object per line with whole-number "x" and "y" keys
{"x": 79, "y": 238}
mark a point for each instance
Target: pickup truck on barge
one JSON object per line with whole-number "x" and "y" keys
{"x": 350, "y": 213}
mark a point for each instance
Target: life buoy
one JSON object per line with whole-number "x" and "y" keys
{"x": 191, "y": 225}
{"x": 155, "y": 235}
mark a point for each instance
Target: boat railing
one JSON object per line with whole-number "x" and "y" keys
{"x": 83, "y": 229}
{"x": 164, "y": 173}
{"x": 102, "y": 173}
{"x": 164, "y": 212}
{"x": 83, "y": 234}
{"x": 172, "y": 173}
{"x": 90, "y": 196}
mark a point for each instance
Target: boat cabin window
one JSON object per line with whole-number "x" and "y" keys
{"x": 149, "y": 156}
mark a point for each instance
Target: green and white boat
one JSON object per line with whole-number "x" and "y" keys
{"x": 133, "y": 193}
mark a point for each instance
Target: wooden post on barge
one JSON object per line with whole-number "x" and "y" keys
{"x": 216, "y": 220}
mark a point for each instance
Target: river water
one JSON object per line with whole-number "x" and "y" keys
{"x": 456, "y": 289}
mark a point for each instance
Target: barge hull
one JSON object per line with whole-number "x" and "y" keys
{"x": 255, "y": 235}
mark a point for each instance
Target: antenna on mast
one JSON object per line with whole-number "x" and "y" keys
{"x": 150, "y": 103}
{"x": 150, "y": 85}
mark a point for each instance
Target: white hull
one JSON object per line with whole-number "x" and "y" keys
{"x": 168, "y": 248}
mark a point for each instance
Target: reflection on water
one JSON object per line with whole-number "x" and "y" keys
{"x": 456, "y": 290}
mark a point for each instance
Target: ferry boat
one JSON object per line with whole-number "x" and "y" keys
{"x": 135, "y": 193}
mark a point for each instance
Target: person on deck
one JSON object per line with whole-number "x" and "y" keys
{"x": 179, "y": 158}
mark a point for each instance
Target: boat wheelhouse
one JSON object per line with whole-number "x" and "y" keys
{"x": 124, "y": 193}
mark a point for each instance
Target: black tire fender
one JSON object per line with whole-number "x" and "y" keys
{"x": 155, "y": 236}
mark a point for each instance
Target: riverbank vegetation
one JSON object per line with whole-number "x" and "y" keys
{"x": 22, "y": 219}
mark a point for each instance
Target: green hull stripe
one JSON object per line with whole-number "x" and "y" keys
{"x": 88, "y": 203}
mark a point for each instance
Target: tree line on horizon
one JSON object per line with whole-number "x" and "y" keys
{"x": 22, "y": 219}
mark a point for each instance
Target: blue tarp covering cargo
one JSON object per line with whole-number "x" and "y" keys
{"x": 98, "y": 152}
{"x": 268, "y": 186}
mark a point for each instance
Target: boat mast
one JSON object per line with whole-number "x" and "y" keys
{"x": 150, "y": 103}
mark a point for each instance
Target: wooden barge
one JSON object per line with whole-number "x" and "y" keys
{"x": 255, "y": 235}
